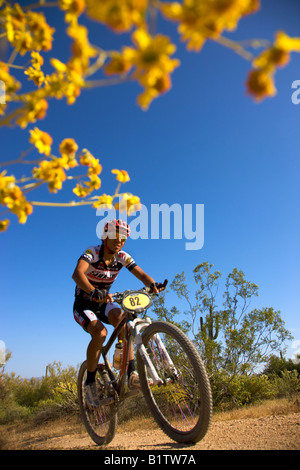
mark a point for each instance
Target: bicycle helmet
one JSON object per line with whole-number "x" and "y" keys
{"x": 114, "y": 226}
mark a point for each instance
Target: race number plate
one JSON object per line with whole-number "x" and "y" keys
{"x": 136, "y": 302}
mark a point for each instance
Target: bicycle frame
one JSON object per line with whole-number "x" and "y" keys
{"x": 133, "y": 332}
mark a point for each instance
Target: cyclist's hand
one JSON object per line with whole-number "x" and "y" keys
{"x": 158, "y": 287}
{"x": 109, "y": 298}
{"x": 99, "y": 295}
{"x": 154, "y": 289}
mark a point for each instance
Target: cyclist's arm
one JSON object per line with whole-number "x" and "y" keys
{"x": 142, "y": 276}
{"x": 80, "y": 278}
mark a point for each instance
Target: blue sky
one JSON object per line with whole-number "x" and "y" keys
{"x": 204, "y": 142}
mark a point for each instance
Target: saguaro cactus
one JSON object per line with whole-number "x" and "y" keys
{"x": 213, "y": 321}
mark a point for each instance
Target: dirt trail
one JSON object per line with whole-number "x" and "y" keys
{"x": 267, "y": 433}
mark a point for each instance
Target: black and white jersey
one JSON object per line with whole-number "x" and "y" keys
{"x": 98, "y": 273}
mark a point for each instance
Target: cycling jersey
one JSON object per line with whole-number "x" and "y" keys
{"x": 98, "y": 273}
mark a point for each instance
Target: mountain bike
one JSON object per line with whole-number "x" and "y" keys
{"x": 172, "y": 376}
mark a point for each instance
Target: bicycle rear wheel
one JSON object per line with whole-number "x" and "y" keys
{"x": 182, "y": 406}
{"x": 100, "y": 422}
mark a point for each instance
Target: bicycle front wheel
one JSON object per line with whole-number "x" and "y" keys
{"x": 100, "y": 422}
{"x": 182, "y": 405}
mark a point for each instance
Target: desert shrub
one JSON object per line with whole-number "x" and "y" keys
{"x": 51, "y": 395}
{"x": 286, "y": 384}
{"x": 240, "y": 390}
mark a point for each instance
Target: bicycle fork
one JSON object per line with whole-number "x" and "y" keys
{"x": 136, "y": 326}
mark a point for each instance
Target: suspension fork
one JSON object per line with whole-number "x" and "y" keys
{"x": 165, "y": 354}
{"x": 136, "y": 326}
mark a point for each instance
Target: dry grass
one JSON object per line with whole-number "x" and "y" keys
{"x": 28, "y": 434}
{"x": 267, "y": 408}
{"x": 282, "y": 406}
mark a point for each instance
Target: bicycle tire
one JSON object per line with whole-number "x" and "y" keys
{"x": 188, "y": 393}
{"x": 101, "y": 422}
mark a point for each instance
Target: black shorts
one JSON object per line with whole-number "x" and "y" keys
{"x": 85, "y": 312}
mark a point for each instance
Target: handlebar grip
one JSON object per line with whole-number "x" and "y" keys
{"x": 158, "y": 285}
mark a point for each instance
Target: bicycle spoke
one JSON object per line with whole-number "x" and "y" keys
{"x": 179, "y": 398}
{"x": 182, "y": 403}
{"x": 101, "y": 421}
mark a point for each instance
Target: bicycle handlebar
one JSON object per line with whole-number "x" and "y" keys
{"x": 118, "y": 296}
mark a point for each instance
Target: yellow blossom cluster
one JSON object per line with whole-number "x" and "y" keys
{"x": 151, "y": 61}
{"x": 53, "y": 171}
{"x": 119, "y": 15}
{"x": 35, "y": 109}
{"x": 13, "y": 198}
{"x": 41, "y": 140}
{"x": 34, "y": 72}
{"x": 260, "y": 81}
{"x": 27, "y": 31}
{"x": 200, "y": 20}
{"x": 94, "y": 169}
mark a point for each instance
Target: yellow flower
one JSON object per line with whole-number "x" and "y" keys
{"x": 37, "y": 76}
{"x": 122, "y": 175}
{"x": 81, "y": 191}
{"x": 152, "y": 62}
{"x": 155, "y": 84}
{"x": 58, "y": 65}
{"x": 95, "y": 181}
{"x": 86, "y": 158}
{"x": 81, "y": 47}
{"x": 68, "y": 148}
{"x": 117, "y": 65}
{"x": 41, "y": 140}
{"x": 129, "y": 204}
{"x": 73, "y": 9}
{"x": 36, "y": 59}
{"x": 65, "y": 81}
{"x": 3, "y": 225}
{"x": 12, "y": 197}
{"x": 35, "y": 73}
{"x": 120, "y": 15}
{"x": 260, "y": 84}
{"x": 286, "y": 43}
{"x": 151, "y": 53}
{"x": 104, "y": 201}
{"x": 52, "y": 172}
{"x": 36, "y": 108}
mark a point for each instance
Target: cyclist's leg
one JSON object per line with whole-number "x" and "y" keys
{"x": 115, "y": 315}
{"x": 90, "y": 322}
{"x": 98, "y": 333}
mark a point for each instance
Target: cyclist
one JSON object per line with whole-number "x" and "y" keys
{"x": 96, "y": 270}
